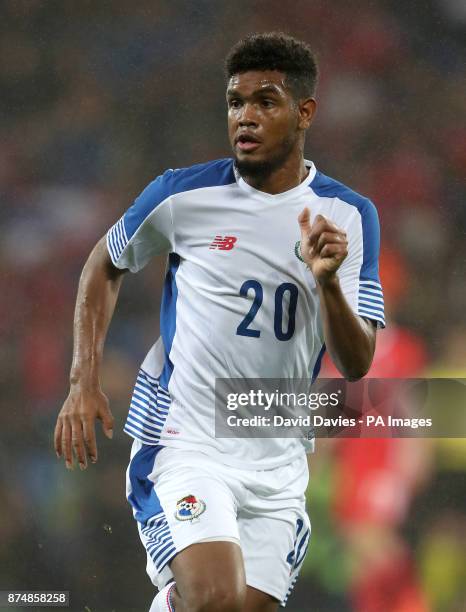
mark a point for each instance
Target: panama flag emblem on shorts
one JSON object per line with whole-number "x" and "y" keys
{"x": 189, "y": 508}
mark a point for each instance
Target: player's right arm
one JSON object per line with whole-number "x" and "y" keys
{"x": 98, "y": 290}
{"x": 145, "y": 230}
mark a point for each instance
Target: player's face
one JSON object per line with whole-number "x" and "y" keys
{"x": 263, "y": 119}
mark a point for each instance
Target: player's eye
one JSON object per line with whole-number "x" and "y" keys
{"x": 234, "y": 103}
{"x": 267, "y": 103}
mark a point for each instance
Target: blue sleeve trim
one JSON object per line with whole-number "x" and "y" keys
{"x": 117, "y": 240}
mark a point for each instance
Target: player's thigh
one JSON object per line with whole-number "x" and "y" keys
{"x": 209, "y": 575}
{"x": 258, "y": 601}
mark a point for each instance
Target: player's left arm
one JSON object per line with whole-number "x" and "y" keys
{"x": 349, "y": 338}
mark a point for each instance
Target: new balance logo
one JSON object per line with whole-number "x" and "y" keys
{"x": 223, "y": 243}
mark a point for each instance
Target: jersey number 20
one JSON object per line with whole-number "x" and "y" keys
{"x": 243, "y": 328}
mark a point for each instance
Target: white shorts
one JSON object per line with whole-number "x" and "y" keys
{"x": 181, "y": 498}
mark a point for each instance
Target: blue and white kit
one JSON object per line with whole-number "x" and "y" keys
{"x": 237, "y": 303}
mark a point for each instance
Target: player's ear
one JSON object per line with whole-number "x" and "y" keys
{"x": 307, "y": 110}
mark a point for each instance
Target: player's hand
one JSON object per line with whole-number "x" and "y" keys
{"x": 75, "y": 428}
{"x": 323, "y": 246}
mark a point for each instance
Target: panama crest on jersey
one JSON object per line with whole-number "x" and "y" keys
{"x": 189, "y": 508}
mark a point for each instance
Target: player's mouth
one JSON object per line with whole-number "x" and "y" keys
{"x": 247, "y": 142}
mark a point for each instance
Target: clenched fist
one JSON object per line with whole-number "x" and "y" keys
{"x": 323, "y": 246}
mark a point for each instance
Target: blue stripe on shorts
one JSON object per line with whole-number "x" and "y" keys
{"x": 147, "y": 508}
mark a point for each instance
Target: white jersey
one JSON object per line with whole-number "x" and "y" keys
{"x": 237, "y": 302}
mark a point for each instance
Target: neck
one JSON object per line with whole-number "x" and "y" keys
{"x": 290, "y": 174}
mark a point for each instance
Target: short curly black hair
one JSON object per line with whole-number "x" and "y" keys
{"x": 276, "y": 51}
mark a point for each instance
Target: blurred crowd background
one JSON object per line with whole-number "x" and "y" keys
{"x": 97, "y": 98}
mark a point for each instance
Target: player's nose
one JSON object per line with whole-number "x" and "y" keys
{"x": 248, "y": 116}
